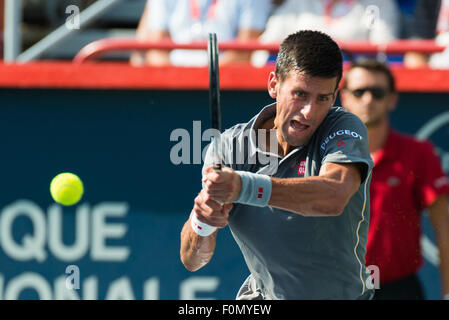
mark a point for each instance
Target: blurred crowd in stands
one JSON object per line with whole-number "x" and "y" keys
{"x": 267, "y": 21}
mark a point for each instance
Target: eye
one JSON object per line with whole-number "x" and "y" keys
{"x": 323, "y": 98}
{"x": 301, "y": 94}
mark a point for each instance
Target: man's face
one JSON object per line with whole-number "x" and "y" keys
{"x": 367, "y": 95}
{"x": 302, "y": 103}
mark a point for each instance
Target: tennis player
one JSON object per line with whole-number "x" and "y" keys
{"x": 301, "y": 224}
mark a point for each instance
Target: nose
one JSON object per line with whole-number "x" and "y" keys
{"x": 306, "y": 110}
{"x": 367, "y": 97}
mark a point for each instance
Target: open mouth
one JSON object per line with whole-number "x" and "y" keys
{"x": 298, "y": 126}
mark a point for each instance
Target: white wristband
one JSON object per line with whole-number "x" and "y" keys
{"x": 201, "y": 228}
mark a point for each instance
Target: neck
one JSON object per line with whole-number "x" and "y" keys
{"x": 283, "y": 147}
{"x": 377, "y": 135}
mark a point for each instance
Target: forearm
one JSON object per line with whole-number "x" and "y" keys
{"x": 196, "y": 251}
{"x": 233, "y": 56}
{"x": 323, "y": 195}
{"x": 156, "y": 57}
{"x": 443, "y": 245}
{"x": 312, "y": 196}
{"x": 442, "y": 240}
{"x": 439, "y": 216}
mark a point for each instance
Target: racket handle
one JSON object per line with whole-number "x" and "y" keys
{"x": 216, "y": 154}
{"x": 217, "y": 168}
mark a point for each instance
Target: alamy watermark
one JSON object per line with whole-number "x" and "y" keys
{"x": 371, "y": 19}
{"x": 254, "y": 146}
{"x": 73, "y": 20}
{"x": 373, "y": 280}
{"x": 372, "y": 13}
{"x": 72, "y": 280}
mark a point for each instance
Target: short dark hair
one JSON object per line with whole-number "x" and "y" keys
{"x": 312, "y": 52}
{"x": 373, "y": 65}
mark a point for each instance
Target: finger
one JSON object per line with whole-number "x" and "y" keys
{"x": 208, "y": 200}
{"x": 211, "y": 209}
{"x": 227, "y": 207}
{"x": 224, "y": 176}
{"x": 215, "y": 221}
{"x": 201, "y": 210}
{"x": 215, "y": 195}
{"x": 222, "y": 224}
{"x": 208, "y": 169}
{"x": 214, "y": 176}
{"x": 224, "y": 219}
{"x": 209, "y": 186}
{"x": 222, "y": 197}
{"x": 208, "y": 208}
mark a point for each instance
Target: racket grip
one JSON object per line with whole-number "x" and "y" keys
{"x": 216, "y": 153}
{"x": 217, "y": 168}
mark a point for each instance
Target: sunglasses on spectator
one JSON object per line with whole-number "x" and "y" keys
{"x": 377, "y": 93}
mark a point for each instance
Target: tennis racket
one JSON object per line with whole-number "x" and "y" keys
{"x": 214, "y": 99}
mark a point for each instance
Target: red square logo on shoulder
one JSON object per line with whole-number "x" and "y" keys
{"x": 302, "y": 167}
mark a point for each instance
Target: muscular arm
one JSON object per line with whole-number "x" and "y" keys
{"x": 439, "y": 217}
{"x": 323, "y": 195}
{"x": 196, "y": 251}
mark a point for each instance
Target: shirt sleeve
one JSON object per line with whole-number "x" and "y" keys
{"x": 254, "y": 14}
{"x": 224, "y": 151}
{"x": 347, "y": 142}
{"x": 158, "y": 15}
{"x": 431, "y": 180}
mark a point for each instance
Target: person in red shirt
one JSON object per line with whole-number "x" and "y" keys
{"x": 407, "y": 178}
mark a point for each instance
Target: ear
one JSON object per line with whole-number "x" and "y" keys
{"x": 273, "y": 83}
{"x": 393, "y": 101}
{"x": 337, "y": 91}
{"x": 343, "y": 96}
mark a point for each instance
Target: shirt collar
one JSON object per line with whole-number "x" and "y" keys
{"x": 266, "y": 113}
{"x": 388, "y": 149}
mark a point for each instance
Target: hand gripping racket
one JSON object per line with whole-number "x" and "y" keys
{"x": 214, "y": 99}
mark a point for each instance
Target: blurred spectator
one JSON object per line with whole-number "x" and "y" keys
{"x": 418, "y": 18}
{"x": 407, "y": 178}
{"x": 372, "y": 20}
{"x": 441, "y": 60}
{"x": 418, "y": 21}
{"x": 142, "y": 34}
{"x": 185, "y": 21}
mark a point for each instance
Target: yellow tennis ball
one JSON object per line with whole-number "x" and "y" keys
{"x": 66, "y": 188}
